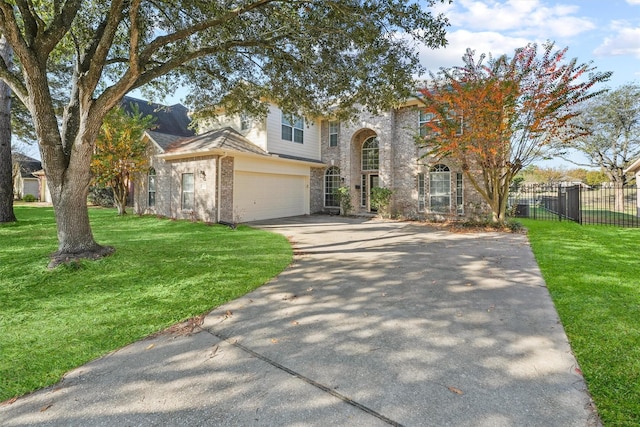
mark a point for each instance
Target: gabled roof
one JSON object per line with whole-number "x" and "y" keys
{"x": 28, "y": 165}
{"x": 163, "y": 140}
{"x": 171, "y": 120}
{"x": 220, "y": 139}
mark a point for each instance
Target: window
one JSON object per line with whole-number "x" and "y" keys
{"x": 422, "y": 122}
{"x": 331, "y": 185}
{"x": 151, "y": 201}
{"x": 292, "y": 128}
{"x": 425, "y": 118}
{"x": 459, "y": 195}
{"x": 244, "y": 121}
{"x": 187, "y": 191}
{"x": 363, "y": 191}
{"x": 440, "y": 188}
{"x": 421, "y": 204}
{"x": 460, "y": 128}
{"x": 333, "y": 133}
{"x": 370, "y": 154}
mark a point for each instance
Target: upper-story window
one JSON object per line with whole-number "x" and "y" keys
{"x": 245, "y": 121}
{"x": 370, "y": 154}
{"x": 458, "y": 120}
{"x": 426, "y": 118}
{"x": 292, "y": 128}
{"x": 334, "y": 126}
{"x": 423, "y": 119}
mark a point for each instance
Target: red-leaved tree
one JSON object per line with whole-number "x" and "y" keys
{"x": 497, "y": 117}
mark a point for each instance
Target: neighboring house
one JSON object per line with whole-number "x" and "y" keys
{"x": 244, "y": 170}
{"x": 24, "y": 179}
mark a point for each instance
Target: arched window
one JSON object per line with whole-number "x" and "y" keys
{"x": 331, "y": 184}
{"x": 152, "y": 188}
{"x": 440, "y": 188}
{"x": 370, "y": 154}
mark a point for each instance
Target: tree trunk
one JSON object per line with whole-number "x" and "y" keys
{"x": 6, "y": 167}
{"x": 619, "y": 197}
{"x": 120, "y": 198}
{"x": 120, "y": 194}
{"x": 69, "y": 188}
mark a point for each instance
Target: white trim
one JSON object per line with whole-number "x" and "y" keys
{"x": 634, "y": 167}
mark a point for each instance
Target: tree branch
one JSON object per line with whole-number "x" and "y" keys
{"x": 60, "y": 25}
{"x": 14, "y": 83}
{"x": 31, "y": 24}
{"x": 92, "y": 62}
{"x": 166, "y": 67}
{"x": 161, "y": 41}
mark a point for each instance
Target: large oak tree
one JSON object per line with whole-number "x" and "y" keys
{"x": 496, "y": 117}
{"x": 304, "y": 55}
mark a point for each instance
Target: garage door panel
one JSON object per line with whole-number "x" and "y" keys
{"x": 263, "y": 196}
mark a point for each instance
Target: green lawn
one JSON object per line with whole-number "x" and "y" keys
{"x": 163, "y": 272}
{"x": 593, "y": 274}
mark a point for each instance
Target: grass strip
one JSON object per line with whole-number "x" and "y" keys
{"x": 593, "y": 275}
{"x": 163, "y": 272}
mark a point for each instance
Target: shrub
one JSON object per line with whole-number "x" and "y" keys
{"x": 29, "y": 198}
{"x": 380, "y": 199}
{"x": 344, "y": 197}
{"x": 101, "y": 196}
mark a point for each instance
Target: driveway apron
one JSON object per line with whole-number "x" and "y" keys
{"x": 375, "y": 323}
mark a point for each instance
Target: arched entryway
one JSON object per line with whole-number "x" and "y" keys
{"x": 369, "y": 171}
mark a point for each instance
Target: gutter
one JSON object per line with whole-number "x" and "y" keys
{"x": 219, "y": 184}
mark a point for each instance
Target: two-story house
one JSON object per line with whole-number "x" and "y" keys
{"x": 247, "y": 169}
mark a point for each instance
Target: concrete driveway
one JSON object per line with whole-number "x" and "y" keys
{"x": 375, "y": 323}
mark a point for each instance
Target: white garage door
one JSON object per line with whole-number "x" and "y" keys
{"x": 31, "y": 186}
{"x": 259, "y": 196}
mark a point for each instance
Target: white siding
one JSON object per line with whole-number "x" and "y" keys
{"x": 256, "y": 132}
{"x": 309, "y": 149}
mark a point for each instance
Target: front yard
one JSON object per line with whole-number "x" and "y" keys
{"x": 167, "y": 271}
{"x": 593, "y": 274}
{"x": 163, "y": 272}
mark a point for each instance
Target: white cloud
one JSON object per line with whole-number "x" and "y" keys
{"x": 521, "y": 18}
{"x": 633, "y": 2}
{"x": 482, "y": 42}
{"x": 625, "y": 42}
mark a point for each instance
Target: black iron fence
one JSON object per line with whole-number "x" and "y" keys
{"x": 605, "y": 204}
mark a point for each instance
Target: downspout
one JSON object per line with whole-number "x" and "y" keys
{"x": 219, "y": 184}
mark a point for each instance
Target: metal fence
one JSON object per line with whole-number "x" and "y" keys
{"x": 606, "y": 205}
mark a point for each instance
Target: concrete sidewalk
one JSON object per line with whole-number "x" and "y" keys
{"x": 375, "y": 323}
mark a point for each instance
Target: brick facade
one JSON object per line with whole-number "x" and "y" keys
{"x": 401, "y": 167}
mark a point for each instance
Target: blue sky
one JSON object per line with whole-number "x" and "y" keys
{"x": 606, "y": 32}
